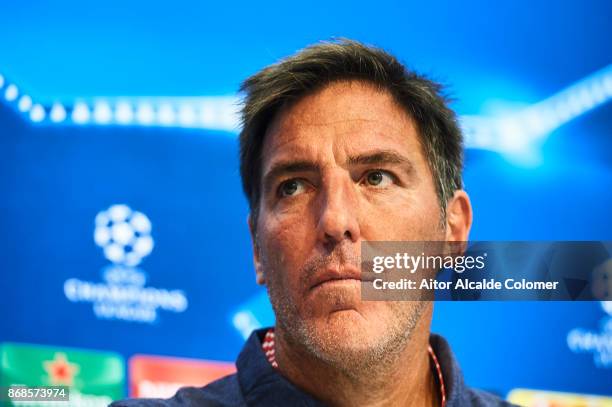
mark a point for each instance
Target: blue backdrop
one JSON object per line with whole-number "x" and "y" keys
{"x": 66, "y": 155}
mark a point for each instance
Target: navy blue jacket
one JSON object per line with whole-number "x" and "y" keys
{"x": 257, "y": 383}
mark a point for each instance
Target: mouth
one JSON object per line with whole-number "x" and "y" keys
{"x": 336, "y": 281}
{"x": 345, "y": 277}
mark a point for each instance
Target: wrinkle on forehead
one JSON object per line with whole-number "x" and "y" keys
{"x": 340, "y": 102}
{"x": 342, "y": 116}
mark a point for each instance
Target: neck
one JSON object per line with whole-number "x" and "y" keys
{"x": 406, "y": 379}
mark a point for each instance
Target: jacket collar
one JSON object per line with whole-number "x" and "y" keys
{"x": 261, "y": 384}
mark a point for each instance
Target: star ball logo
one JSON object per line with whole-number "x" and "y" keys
{"x": 125, "y": 238}
{"x": 125, "y": 235}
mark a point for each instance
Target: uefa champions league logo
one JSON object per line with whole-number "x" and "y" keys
{"x": 125, "y": 237}
{"x": 124, "y": 234}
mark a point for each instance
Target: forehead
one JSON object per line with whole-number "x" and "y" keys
{"x": 342, "y": 118}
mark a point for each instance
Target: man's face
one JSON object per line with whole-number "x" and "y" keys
{"x": 340, "y": 166}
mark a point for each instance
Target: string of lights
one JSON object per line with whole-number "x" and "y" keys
{"x": 514, "y": 133}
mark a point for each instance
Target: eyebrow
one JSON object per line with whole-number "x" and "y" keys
{"x": 378, "y": 157}
{"x": 381, "y": 157}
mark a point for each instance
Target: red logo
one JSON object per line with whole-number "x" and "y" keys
{"x": 161, "y": 377}
{"x": 60, "y": 370}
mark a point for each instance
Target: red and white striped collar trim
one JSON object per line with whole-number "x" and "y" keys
{"x": 434, "y": 359}
{"x": 268, "y": 349}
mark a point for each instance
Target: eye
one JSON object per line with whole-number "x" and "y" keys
{"x": 291, "y": 187}
{"x": 378, "y": 178}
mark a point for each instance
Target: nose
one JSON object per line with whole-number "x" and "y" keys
{"x": 338, "y": 220}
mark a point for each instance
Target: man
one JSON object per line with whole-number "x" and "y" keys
{"x": 341, "y": 144}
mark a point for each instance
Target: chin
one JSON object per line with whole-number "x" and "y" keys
{"x": 347, "y": 329}
{"x": 346, "y": 341}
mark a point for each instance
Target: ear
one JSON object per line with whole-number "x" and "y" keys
{"x": 458, "y": 217}
{"x": 259, "y": 275}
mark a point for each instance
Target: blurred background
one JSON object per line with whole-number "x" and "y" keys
{"x": 125, "y": 260}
